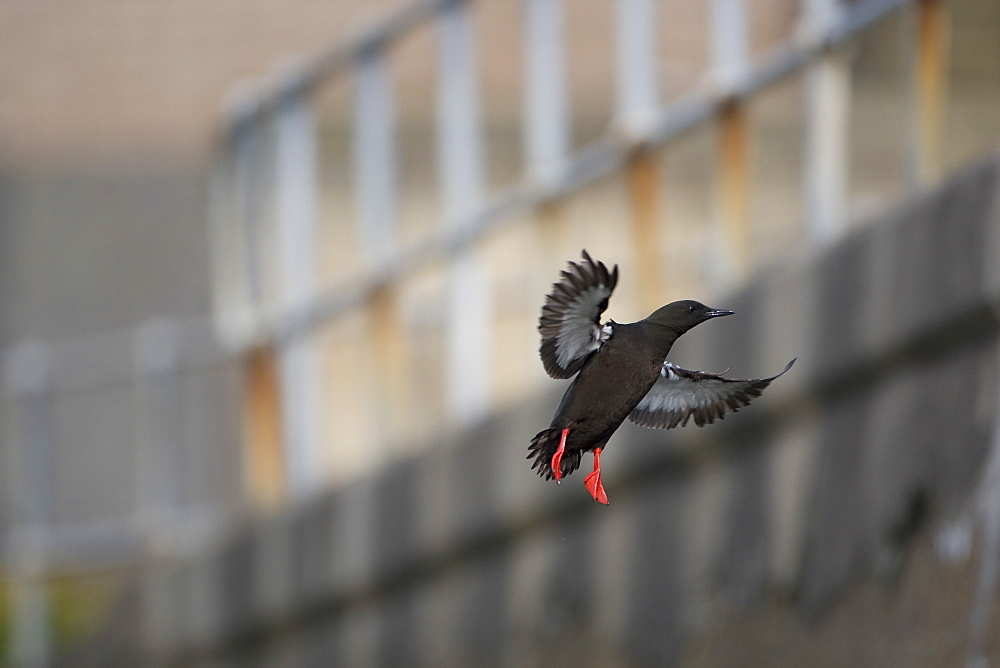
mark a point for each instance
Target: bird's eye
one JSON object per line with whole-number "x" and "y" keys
{"x": 691, "y": 309}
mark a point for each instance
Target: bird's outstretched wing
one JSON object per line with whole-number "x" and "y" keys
{"x": 679, "y": 394}
{"x": 570, "y": 323}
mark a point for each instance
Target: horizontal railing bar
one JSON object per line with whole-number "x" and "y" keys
{"x": 302, "y": 79}
{"x": 97, "y": 361}
{"x": 592, "y": 162}
{"x": 860, "y": 16}
{"x": 98, "y": 544}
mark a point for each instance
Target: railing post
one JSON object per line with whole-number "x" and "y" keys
{"x": 249, "y": 186}
{"x": 234, "y": 221}
{"x": 375, "y": 159}
{"x": 729, "y": 42}
{"x": 159, "y": 430}
{"x": 296, "y": 193}
{"x": 375, "y": 163}
{"x": 160, "y": 440}
{"x": 469, "y": 344}
{"x": 734, "y": 192}
{"x": 265, "y": 468}
{"x": 637, "y": 106}
{"x": 729, "y": 67}
{"x": 459, "y": 131}
{"x": 390, "y": 352}
{"x": 262, "y": 419}
{"x": 228, "y": 249}
{"x": 28, "y": 378}
{"x": 828, "y": 91}
{"x": 930, "y": 81}
{"x": 638, "y": 96}
{"x": 644, "y": 186}
{"x": 546, "y": 112}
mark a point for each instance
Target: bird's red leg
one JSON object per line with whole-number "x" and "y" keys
{"x": 557, "y": 456}
{"x": 593, "y": 481}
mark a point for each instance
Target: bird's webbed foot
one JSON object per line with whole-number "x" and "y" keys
{"x": 593, "y": 481}
{"x": 556, "y": 463}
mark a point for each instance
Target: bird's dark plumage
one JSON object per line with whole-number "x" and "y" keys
{"x": 621, "y": 372}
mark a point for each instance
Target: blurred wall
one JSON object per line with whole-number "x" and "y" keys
{"x": 118, "y": 414}
{"x": 101, "y": 81}
{"x": 832, "y": 523}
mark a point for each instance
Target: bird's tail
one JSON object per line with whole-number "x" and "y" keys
{"x": 543, "y": 446}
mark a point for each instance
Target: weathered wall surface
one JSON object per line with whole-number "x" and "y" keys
{"x": 788, "y": 532}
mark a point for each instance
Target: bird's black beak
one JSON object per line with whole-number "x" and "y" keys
{"x": 716, "y": 312}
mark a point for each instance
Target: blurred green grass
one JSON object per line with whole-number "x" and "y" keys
{"x": 78, "y": 605}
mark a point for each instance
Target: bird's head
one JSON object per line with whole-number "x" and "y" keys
{"x": 683, "y": 315}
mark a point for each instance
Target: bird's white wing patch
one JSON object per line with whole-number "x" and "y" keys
{"x": 578, "y": 334}
{"x": 679, "y": 394}
{"x": 570, "y": 321}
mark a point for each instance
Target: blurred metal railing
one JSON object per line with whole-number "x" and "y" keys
{"x": 265, "y": 190}
{"x": 48, "y": 420}
{"x": 268, "y": 154}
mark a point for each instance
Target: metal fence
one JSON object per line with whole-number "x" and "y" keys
{"x": 271, "y": 303}
{"x": 118, "y": 448}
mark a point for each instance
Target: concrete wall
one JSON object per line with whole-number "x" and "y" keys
{"x": 799, "y": 530}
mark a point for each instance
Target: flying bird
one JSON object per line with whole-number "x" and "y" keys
{"x": 621, "y": 372}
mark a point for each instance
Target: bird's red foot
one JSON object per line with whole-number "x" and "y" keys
{"x": 593, "y": 481}
{"x": 557, "y": 456}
